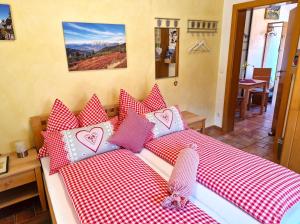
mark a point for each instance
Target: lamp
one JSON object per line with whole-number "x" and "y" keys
{"x": 21, "y": 149}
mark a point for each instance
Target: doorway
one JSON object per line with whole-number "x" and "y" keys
{"x": 275, "y": 54}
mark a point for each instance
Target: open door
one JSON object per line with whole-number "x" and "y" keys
{"x": 291, "y": 146}
{"x": 286, "y": 76}
{"x": 234, "y": 65}
{"x": 278, "y": 77}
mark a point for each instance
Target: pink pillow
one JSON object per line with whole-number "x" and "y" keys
{"x": 133, "y": 132}
{"x": 126, "y": 101}
{"x": 60, "y": 118}
{"x": 92, "y": 113}
{"x": 183, "y": 178}
{"x": 155, "y": 100}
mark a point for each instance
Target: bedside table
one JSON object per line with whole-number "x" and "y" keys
{"x": 22, "y": 181}
{"x": 194, "y": 121}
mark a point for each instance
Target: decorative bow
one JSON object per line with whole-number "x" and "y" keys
{"x": 174, "y": 201}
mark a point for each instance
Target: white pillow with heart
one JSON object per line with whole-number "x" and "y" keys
{"x": 166, "y": 121}
{"x": 81, "y": 143}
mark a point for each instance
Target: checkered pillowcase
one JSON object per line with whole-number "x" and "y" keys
{"x": 153, "y": 102}
{"x": 60, "y": 118}
{"x": 92, "y": 113}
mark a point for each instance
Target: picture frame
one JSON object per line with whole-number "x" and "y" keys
{"x": 94, "y": 46}
{"x": 272, "y": 12}
{"x": 6, "y": 23}
{"x": 4, "y": 164}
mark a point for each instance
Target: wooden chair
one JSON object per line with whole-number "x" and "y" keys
{"x": 256, "y": 94}
{"x": 239, "y": 103}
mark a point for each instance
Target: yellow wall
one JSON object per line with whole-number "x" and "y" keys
{"x": 33, "y": 68}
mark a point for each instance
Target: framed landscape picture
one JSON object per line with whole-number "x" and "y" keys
{"x": 92, "y": 46}
{"x": 6, "y": 26}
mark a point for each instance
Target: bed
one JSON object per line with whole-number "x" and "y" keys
{"x": 58, "y": 198}
{"x": 60, "y": 205}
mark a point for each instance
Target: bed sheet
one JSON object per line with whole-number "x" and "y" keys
{"x": 62, "y": 205}
{"x": 221, "y": 207}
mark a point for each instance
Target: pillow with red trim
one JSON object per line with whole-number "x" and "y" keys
{"x": 155, "y": 101}
{"x": 126, "y": 101}
{"x": 133, "y": 132}
{"x": 166, "y": 121}
{"x": 92, "y": 113}
{"x": 60, "y": 118}
{"x": 183, "y": 178}
{"x": 73, "y": 145}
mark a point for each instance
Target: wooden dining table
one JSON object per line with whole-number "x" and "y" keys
{"x": 247, "y": 85}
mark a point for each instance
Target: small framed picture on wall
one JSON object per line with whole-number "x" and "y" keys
{"x": 272, "y": 12}
{"x": 6, "y": 26}
{"x": 3, "y": 164}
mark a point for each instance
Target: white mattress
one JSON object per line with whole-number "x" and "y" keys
{"x": 221, "y": 207}
{"x": 62, "y": 205}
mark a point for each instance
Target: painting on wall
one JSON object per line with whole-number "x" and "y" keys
{"x": 92, "y": 46}
{"x": 6, "y": 27}
{"x": 272, "y": 12}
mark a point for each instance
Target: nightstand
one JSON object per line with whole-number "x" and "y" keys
{"x": 22, "y": 181}
{"x": 194, "y": 121}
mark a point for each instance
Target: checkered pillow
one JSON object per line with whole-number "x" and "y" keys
{"x": 92, "y": 113}
{"x": 126, "y": 101}
{"x": 61, "y": 118}
{"x": 155, "y": 100}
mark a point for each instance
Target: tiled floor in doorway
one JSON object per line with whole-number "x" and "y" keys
{"x": 251, "y": 134}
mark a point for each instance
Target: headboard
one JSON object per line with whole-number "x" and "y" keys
{"x": 39, "y": 124}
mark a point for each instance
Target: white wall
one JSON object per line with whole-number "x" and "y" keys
{"x": 223, "y": 57}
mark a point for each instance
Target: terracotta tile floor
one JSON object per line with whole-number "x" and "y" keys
{"x": 251, "y": 134}
{"x": 28, "y": 212}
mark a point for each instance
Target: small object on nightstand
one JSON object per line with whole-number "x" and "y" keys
{"x": 194, "y": 121}
{"x": 22, "y": 181}
{"x": 21, "y": 149}
{"x": 3, "y": 164}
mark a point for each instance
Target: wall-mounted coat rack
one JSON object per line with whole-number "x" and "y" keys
{"x": 202, "y": 26}
{"x": 167, "y": 22}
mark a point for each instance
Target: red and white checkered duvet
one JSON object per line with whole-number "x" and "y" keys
{"x": 261, "y": 188}
{"x": 118, "y": 187}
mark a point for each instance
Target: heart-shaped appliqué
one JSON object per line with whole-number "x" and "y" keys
{"x": 91, "y": 139}
{"x": 165, "y": 117}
